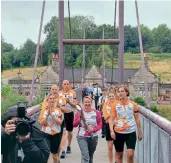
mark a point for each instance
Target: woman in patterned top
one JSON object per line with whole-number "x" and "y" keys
{"x": 87, "y": 136}
{"x": 51, "y": 119}
{"x": 124, "y": 118}
{"x": 61, "y": 102}
{"x": 107, "y": 107}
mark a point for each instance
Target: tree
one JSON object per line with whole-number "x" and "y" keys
{"x": 78, "y": 23}
{"x": 147, "y": 38}
{"x": 156, "y": 40}
{"x": 131, "y": 39}
{"x": 27, "y": 53}
{"x": 162, "y": 37}
{"x": 10, "y": 59}
{"x": 5, "y": 47}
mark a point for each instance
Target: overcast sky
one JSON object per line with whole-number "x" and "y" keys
{"x": 20, "y": 19}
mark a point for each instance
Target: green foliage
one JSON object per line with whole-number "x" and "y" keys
{"x": 6, "y": 90}
{"x": 11, "y": 100}
{"x": 162, "y": 37}
{"x": 5, "y": 47}
{"x": 37, "y": 101}
{"x": 93, "y": 31}
{"x": 160, "y": 57}
{"x": 27, "y": 53}
{"x": 19, "y": 58}
{"x": 21, "y": 64}
{"x": 157, "y": 40}
{"x": 40, "y": 98}
{"x": 42, "y": 93}
{"x": 154, "y": 108}
{"x": 140, "y": 100}
{"x": 155, "y": 50}
{"x": 165, "y": 111}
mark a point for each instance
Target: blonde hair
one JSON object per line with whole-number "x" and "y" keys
{"x": 54, "y": 85}
{"x": 47, "y": 97}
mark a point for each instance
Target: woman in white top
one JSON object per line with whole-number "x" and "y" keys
{"x": 87, "y": 136}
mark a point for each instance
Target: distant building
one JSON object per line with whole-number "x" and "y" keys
{"x": 132, "y": 78}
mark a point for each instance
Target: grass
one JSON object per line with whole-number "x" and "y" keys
{"x": 26, "y": 73}
{"x": 165, "y": 111}
{"x": 160, "y": 64}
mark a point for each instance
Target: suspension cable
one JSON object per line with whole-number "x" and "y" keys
{"x": 37, "y": 53}
{"x": 114, "y": 31}
{"x": 70, "y": 45}
{"x": 144, "y": 74}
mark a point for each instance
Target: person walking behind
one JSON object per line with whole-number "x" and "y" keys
{"x": 85, "y": 92}
{"x": 97, "y": 93}
{"x": 101, "y": 101}
{"x": 107, "y": 107}
{"x": 51, "y": 120}
{"x": 124, "y": 118}
{"x": 70, "y": 96}
{"x": 87, "y": 137}
{"x": 114, "y": 90}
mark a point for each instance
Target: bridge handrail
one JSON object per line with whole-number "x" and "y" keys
{"x": 156, "y": 144}
{"x": 34, "y": 109}
{"x": 157, "y": 119}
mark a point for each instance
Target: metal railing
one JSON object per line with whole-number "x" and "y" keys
{"x": 156, "y": 144}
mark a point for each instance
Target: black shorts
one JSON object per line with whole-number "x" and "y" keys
{"x": 129, "y": 139}
{"x": 62, "y": 128}
{"x": 53, "y": 142}
{"x": 107, "y": 132}
{"x": 69, "y": 119}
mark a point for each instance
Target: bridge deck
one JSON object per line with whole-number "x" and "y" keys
{"x": 100, "y": 155}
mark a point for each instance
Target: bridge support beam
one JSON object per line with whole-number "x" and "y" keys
{"x": 121, "y": 45}
{"x": 63, "y": 41}
{"x": 91, "y": 41}
{"x": 60, "y": 41}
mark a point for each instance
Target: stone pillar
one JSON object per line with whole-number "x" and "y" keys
{"x": 146, "y": 61}
{"x": 55, "y": 62}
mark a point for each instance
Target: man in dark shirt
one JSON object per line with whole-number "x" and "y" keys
{"x": 31, "y": 148}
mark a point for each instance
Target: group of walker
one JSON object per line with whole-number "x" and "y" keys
{"x": 56, "y": 119}
{"x": 116, "y": 115}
